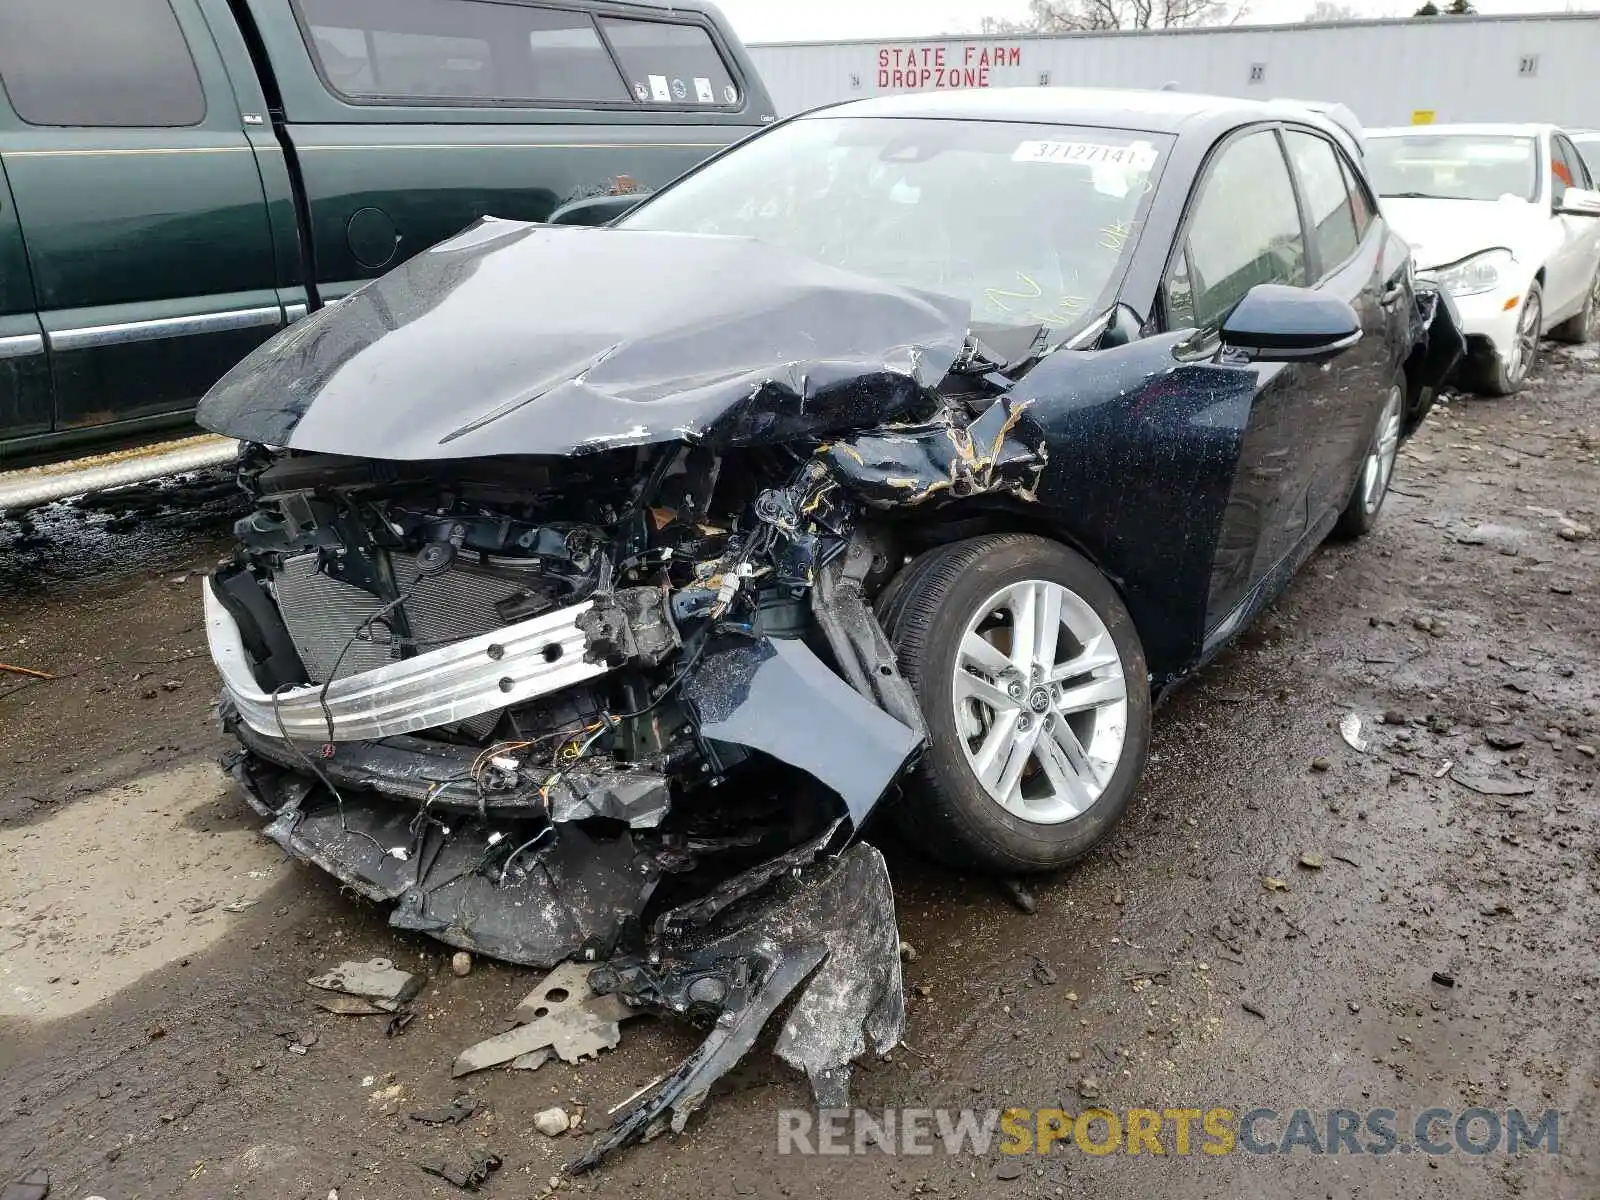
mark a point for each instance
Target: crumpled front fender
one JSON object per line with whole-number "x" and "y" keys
{"x": 1438, "y": 346}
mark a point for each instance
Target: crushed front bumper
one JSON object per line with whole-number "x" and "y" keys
{"x": 454, "y": 683}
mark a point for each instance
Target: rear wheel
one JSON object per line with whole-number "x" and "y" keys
{"x": 1585, "y": 327}
{"x": 1504, "y": 375}
{"x": 1377, "y": 468}
{"x": 1033, "y": 683}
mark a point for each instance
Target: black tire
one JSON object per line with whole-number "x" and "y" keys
{"x": 1488, "y": 373}
{"x": 1359, "y": 516}
{"x": 945, "y": 810}
{"x": 1585, "y": 327}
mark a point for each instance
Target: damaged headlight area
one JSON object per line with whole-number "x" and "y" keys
{"x": 626, "y": 708}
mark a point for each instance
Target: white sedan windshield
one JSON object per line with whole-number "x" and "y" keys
{"x": 1029, "y": 223}
{"x": 1454, "y": 166}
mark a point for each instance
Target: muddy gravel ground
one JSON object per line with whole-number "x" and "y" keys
{"x": 1267, "y": 930}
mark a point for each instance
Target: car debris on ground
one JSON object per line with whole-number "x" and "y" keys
{"x": 561, "y": 1016}
{"x": 468, "y": 1178}
{"x": 365, "y": 988}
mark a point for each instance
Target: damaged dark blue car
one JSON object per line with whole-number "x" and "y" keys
{"x": 603, "y": 582}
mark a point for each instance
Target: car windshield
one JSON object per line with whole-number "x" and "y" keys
{"x": 1031, "y": 224}
{"x": 1454, "y": 166}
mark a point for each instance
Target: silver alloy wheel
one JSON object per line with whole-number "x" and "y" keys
{"x": 1526, "y": 345}
{"x": 1379, "y": 467}
{"x": 1041, "y": 704}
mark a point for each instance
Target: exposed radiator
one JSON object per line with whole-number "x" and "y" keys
{"x": 323, "y": 613}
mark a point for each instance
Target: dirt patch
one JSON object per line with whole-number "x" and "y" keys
{"x": 155, "y": 867}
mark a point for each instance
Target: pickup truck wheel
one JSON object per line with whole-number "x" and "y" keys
{"x": 1585, "y": 327}
{"x": 1504, "y": 375}
{"x": 1032, "y": 679}
{"x": 1377, "y": 468}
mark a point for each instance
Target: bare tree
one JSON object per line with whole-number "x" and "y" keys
{"x": 1329, "y": 10}
{"x": 1080, "y": 16}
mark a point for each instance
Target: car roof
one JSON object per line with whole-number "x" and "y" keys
{"x": 1112, "y": 108}
{"x": 1531, "y": 129}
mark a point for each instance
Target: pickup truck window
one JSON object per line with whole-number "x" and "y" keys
{"x": 670, "y": 64}
{"x": 104, "y": 63}
{"x": 459, "y": 50}
{"x": 479, "y": 50}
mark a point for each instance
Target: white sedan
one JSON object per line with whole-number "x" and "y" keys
{"x": 1507, "y": 219}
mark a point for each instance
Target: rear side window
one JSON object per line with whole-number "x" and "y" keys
{"x": 484, "y": 50}
{"x": 119, "y": 63}
{"x": 1327, "y": 201}
{"x": 670, "y": 64}
{"x": 1245, "y": 231}
{"x": 1361, "y": 204}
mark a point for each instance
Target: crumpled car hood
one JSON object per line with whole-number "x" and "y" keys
{"x": 515, "y": 338}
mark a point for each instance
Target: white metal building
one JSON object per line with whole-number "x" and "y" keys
{"x": 1498, "y": 68}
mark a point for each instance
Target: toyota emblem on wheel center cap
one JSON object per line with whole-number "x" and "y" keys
{"x": 1039, "y": 700}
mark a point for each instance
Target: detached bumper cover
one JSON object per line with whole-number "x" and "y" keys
{"x": 455, "y": 683}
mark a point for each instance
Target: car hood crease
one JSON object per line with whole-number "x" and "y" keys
{"x": 516, "y": 338}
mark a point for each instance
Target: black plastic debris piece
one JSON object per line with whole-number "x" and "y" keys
{"x": 469, "y": 1178}
{"x": 827, "y": 933}
{"x": 457, "y": 1111}
{"x": 396, "y": 1024}
{"x": 1444, "y": 979}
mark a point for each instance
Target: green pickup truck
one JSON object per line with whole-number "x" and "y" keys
{"x": 181, "y": 178}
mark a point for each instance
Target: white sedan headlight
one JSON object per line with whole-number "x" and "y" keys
{"x": 1472, "y": 276}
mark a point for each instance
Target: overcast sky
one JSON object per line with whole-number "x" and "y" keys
{"x": 819, "y": 20}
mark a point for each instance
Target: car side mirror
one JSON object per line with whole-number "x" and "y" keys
{"x": 1579, "y": 202}
{"x": 1278, "y": 323}
{"x": 596, "y": 210}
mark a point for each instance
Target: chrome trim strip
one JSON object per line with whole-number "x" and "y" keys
{"x": 295, "y": 312}
{"x": 124, "y": 152}
{"x": 520, "y": 145}
{"x": 463, "y": 680}
{"x": 21, "y": 345}
{"x": 88, "y": 336}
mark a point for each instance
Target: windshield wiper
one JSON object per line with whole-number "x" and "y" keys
{"x": 1418, "y": 196}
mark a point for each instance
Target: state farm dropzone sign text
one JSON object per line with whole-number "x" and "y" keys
{"x": 963, "y": 66}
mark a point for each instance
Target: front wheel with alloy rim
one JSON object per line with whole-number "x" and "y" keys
{"x": 1505, "y": 374}
{"x": 1585, "y": 326}
{"x": 1033, "y": 683}
{"x": 1377, "y": 468}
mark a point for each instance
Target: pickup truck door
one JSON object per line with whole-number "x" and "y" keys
{"x": 409, "y": 121}
{"x": 24, "y": 369}
{"x": 140, "y": 202}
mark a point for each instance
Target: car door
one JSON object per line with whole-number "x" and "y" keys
{"x": 1569, "y": 268}
{"x": 1243, "y": 228}
{"x": 24, "y": 368}
{"x": 1343, "y": 397}
{"x": 411, "y": 119}
{"x": 140, "y": 203}
{"x": 1584, "y": 232}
